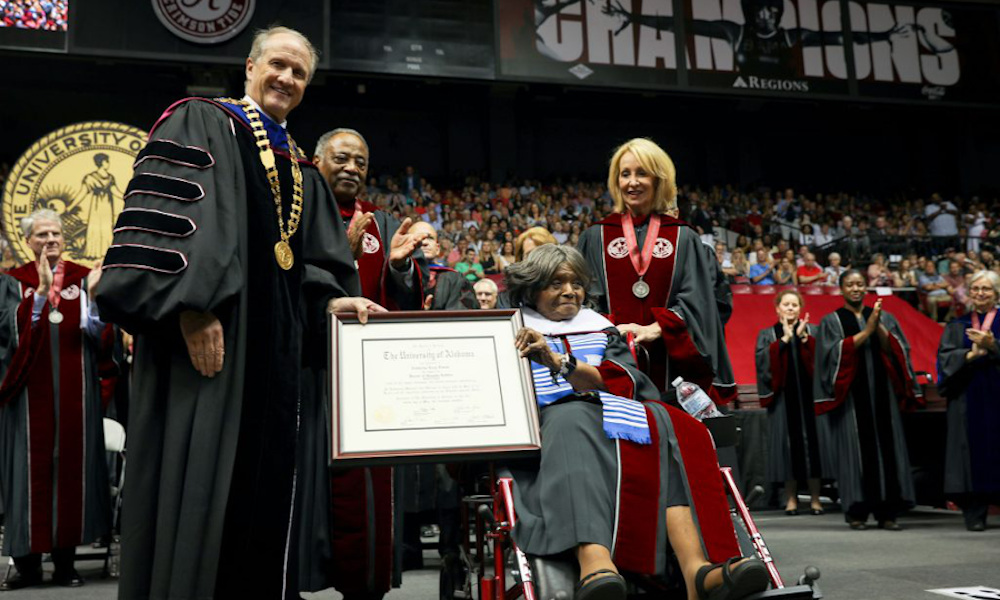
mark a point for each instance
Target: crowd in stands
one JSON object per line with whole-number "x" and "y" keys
{"x": 925, "y": 248}
{"x": 49, "y": 15}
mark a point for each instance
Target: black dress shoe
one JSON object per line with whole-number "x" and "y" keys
{"x": 791, "y": 512}
{"x": 858, "y": 525}
{"x": 977, "y": 526}
{"x": 817, "y": 512}
{"x": 68, "y": 579}
{"x": 22, "y": 580}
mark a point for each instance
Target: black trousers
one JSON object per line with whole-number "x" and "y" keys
{"x": 882, "y": 511}
{"x": 62, "y": 558}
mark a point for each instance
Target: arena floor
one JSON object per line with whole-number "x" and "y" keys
{"x": 933, "y": 552}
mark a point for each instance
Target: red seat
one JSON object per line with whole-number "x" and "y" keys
{"x": 740, "y": 288}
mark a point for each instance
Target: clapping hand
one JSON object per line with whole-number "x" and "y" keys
{"x": 985, "y": 340}
{"x": 93, "y": 278}
{"x": 802, "y": 329}
{"x": 976, "y": 352}
{"x": 44, "y": 273}
{"x": 873, "y": 323}
{"x": 403, "y": 244}
{"x": 788, "y": 333}
{"x": 356, "y": 231}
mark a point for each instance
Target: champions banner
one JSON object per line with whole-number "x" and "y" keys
{"x": 911, "y": 51}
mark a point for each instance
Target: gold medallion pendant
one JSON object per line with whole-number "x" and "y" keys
{"x": 283, "y": 254}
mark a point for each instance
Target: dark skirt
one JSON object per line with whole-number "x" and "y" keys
{"x": 569, "y": 496}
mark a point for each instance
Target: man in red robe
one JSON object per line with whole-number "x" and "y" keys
{"x": 54, "y": 476}
{"x": 348, "y": 523}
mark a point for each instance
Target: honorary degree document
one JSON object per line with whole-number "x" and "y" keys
{"x": 412, "y": 386}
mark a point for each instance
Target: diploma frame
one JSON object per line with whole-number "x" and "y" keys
{"x": 422, "y": 386}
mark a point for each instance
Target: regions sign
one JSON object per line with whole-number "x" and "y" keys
{"x": 80, "y": 172}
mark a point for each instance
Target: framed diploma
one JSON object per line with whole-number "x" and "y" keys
{"x": 414, "y": 386}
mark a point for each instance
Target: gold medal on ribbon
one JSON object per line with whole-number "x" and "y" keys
{"x": 283, "y": 254}
{"x": 55, "y": 317}
{"x": 282, "y": 251}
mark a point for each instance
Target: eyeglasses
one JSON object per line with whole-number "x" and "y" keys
{"x": 980, "y": 290}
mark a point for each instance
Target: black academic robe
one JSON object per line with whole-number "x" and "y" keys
{"x": 212, "y": 460}
{"x": 688, "y": 297}
{"x": 859, "y": 393}
{"x": 972, "y": 458}
{"x": 785, "y": 388}
{"x": 52, "y": 462}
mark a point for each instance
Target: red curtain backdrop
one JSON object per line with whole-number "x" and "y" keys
{"x": 754, "y": 311}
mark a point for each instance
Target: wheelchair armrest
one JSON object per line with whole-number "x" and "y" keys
{"x": 723, "y": 430}
{"x": 555, "y": 576}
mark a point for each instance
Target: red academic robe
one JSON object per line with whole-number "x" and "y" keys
{"x": 361, "y": 552}
{"x": 56, "y": 494}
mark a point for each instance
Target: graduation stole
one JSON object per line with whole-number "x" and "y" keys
{"x": 620, "y": 274}
{"x": 372, "y": 260}
{"x": 623, "y": 418}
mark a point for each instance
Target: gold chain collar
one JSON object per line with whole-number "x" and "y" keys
{"x": 282, "y": 250}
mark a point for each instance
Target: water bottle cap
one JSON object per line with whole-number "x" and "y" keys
{"x": 677, "y": 382}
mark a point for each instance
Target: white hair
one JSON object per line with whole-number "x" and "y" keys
{"x": 989, "y": 276}
{"x": 42, "y": 214}
{"x": 488, "y": 283}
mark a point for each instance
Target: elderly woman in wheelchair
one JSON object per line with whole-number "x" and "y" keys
{"x": 623, "y": 480}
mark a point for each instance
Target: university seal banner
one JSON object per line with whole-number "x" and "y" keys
{"x": 79, "y": 171}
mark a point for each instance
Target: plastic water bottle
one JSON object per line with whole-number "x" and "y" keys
{"x": 694, "y": 400}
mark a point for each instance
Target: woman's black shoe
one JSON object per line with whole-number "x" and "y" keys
{"x": 602, "y": 584}
{"x": 22, "y": 580}
{"x": 817, "y": 512}
{"x": 69, "y": 578}
{"x": 791, "y": 512}
{"x": 748, "y": 577}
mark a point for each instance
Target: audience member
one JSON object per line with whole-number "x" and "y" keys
{"x": 810, "y": 273}
{"x": 762, "y": 272}
{"x": 937, "y": 290}
{"x": 834, "y": 270}
{"x": 486, "y": 293}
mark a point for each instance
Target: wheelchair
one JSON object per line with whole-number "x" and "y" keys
{"x": 496, "y": 569}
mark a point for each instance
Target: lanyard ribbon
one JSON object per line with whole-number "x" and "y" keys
{"x": 987, "y": 323}
{"x": 641, "y": 261}
{"x": 57, "y": 284}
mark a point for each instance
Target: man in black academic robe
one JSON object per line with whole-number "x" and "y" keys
{"x": 219, "y": 291}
